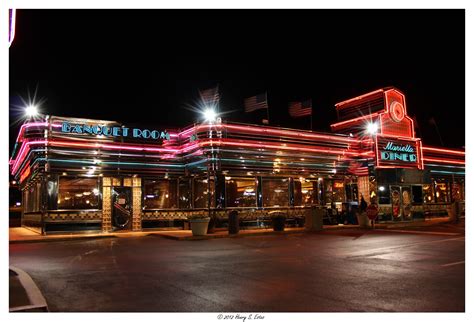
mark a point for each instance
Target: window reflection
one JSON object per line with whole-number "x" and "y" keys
{"x": 306, "y": 191}
{"x": 78, "y": 193}
{"x": 240, "y": 192}
{"x": 185, "y": 193}
{"x": 428, "y": 195}
{"x": 161, "y": 194}
{"x": 275, "y": 192}
{"x": 200, "y": 193}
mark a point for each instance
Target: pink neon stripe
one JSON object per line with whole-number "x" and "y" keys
{"x": 23, "y": 152}
{"x": 444, "y": 150}
{"x": 24, "y": 126}
{"x": 355, "y": 120}
{"x": 112, "y": 147}
{"x": 278, "y": 147}
{"x": 444, "y": 161}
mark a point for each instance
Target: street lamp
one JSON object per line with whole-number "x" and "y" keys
{"x": 371, "y": 128}
{"x": 31, "y": 110}
{"x": 210, "y": 115}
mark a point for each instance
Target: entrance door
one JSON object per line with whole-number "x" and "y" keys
{"x": 406, "y": 203}
{"x": 122, "y": 208}
{"x": 396, "y": 202}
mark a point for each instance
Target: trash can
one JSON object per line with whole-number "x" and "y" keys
{"x": 234, "y": 222}
{"x": 314, "y": 219}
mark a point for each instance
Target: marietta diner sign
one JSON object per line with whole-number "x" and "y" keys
{"x": 398, "y": 152}
{"x": 113, "y": 131}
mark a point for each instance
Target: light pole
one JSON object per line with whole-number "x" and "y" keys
{"x": 210, "y": 116}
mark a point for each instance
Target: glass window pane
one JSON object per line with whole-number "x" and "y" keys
{"x": 428, "y": 195}
{"x": 383, "y": 193}
{"x": 160, "y": 194}
{"x": 457, "y": 191}
{"x": 338, "y": 191}
{"x": 240, "y": 192}
{"x": 306, "y": 192}
{"x": 78, "y": 193}
{"x": 200, "y": 193}
{"x": 275, "y": 192}
{"x": 441, "y": 191}
{"x": 185, "y": 193}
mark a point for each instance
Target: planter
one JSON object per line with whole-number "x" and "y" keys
{"x": 363, "y": 221}
{"x": 278, "y": 223}
{"x": 199, "y": 226}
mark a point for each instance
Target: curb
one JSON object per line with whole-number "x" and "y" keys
{"x": 59, "y": 239}
{"x": 263, "y": 233}
{"x": 37, "y": 300}
{"x": 266, "y": 233}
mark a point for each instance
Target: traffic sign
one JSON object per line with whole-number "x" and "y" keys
{"x": 372, "y": 211}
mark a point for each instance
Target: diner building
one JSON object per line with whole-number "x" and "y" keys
{"x": 99, "y": 175}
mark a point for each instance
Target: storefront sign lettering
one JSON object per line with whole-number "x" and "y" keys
{"x": 113, "y": 131}
{"x": 396, "y": 152}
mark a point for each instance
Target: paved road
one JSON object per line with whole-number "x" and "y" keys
{"x": 338, "y": 271}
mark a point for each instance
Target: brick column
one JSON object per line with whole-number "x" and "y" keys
{"x": 363, "y": 186}
{"x": 137, "y": 204}
{"x": 106, "y": 204}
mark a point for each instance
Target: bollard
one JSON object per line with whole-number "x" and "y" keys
{"x": 233, "y": 222}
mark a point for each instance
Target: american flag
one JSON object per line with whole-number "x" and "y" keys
{"x": 210, "y": 96}
{"x": 300, "y": 109}
{"x": 255, "y": 103}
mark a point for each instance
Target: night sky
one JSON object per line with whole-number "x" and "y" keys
{"x": 146, "y": 66}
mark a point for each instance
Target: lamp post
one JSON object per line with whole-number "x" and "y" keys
{"x": 210, "y": 116}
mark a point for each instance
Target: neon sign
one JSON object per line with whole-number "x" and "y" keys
{"x": 396, "y": 152}
{"x": 113, "y": 131}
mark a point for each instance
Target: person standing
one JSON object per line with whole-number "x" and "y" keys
{"x": 363, "y": 205}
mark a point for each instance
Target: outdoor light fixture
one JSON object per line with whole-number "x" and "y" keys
{"x": 210, "y": 115}
{"x": 31, "y": 111}
{"x": 382, "y": 188}
{"x": 372, "y": 128}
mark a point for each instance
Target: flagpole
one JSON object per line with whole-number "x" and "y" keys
{"x": 268, "y": 115}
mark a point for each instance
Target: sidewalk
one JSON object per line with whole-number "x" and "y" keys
{"x": 24, "y": 294}
{"x": 23, "y": 235}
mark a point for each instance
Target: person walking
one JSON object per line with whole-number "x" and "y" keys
{"x": 363, "y": 205}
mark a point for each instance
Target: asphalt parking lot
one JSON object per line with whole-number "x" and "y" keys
{"x": 349, "y": 270}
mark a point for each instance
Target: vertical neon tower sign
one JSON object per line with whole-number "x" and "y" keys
{"x": 11, "y": 25}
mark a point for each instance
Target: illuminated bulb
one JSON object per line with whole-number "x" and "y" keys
{"x": 31, "y": 110}
{"x": 382, "y": 188}
{"x": 372, "y": 128}
{"x": 210, "y": 115}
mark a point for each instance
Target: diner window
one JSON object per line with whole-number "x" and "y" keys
{"x": 160, "y": 194}
{"x": 275, "y": 192}
{"x": 428, "y": 195}
{"x": 240, "y": 192}
{"x": 334, "y": 191}
{"x": 352, "y": 192}
{"x": 32, "y": 198}
{"x": 457, "y": 191}
{"x": 185, "y": 194}
{"x": 305, "y": 192}
{"x": 78, "y": 193}
{"x": 201, "y": 194}
{"x": 384, "y": 195}
{"x": 441, "y": 191}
